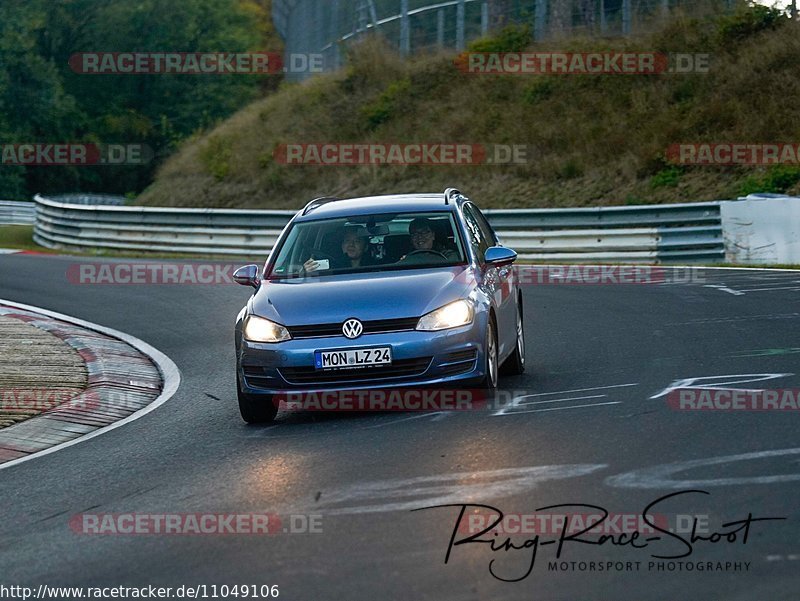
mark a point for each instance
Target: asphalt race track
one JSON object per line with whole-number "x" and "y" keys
{"x": 594, "y": 433}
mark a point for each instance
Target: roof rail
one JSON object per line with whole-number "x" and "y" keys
{"x": 450, "y": 194}
{"x": 318, "y": 202}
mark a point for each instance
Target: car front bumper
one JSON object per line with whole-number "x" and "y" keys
{"x": 453, "y": 357}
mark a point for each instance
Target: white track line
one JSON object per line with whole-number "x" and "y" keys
{"x": 574, "y": 398}
{"x": 561, "y": 408}
{"x": 768, "y": 289}
{"x": 516, "y": 400}
{"x": 169, "y": 373}
{"x": 724, "y": 289}
{"x": 402, "y": 419}
{"x": 577, "y": 390}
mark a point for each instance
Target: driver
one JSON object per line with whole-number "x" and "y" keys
{"x": 423, "y": 237}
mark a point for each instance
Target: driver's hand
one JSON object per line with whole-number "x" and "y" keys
{"x": 310, "y": 265}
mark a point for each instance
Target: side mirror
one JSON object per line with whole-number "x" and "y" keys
{"x": 247, "y": 276}
{"x": 498, "y": 256}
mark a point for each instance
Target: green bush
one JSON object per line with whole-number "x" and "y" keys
{"x": 666, "y": 178}
{"x": 540, "y": 89}
{"x": 216, "y": 157}
{"x": 514, "y": 38}
{"x": 386, "y": 105}
{"x": 747, "y": 21}
{"x": 570, "y": 170}
{"x": 778, "y": 179}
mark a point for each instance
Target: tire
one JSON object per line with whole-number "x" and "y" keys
{"x": 515, "y": 364}
{"x": 491, "y": 366}
{"x": 255, "y": 409}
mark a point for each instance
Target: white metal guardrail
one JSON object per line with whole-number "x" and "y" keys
{"x": 17, "y": 213}
{"x": 690, "y": 232}
{"x": 762, "y": 229}
{"x": 652, "y": 234}
{"x": 90, "y": 199}
{"x": 166, "y": 230}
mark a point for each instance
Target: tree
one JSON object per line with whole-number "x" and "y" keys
{"x": 43, "y": 100}
{"x": 34, "y": 106}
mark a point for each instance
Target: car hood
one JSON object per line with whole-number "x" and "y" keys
{"x": 365, "y": 296}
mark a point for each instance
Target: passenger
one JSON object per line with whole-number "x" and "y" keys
{"x": 354, "y": 252}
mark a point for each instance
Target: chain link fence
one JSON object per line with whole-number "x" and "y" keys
{"x": 326, "y": 26}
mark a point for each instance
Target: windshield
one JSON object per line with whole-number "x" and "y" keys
{"x": 369, "y": 243}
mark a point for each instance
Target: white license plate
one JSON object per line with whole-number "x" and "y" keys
{"x": 360, "y": 357}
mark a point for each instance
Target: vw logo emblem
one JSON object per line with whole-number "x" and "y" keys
{"x": 352, "y": 328}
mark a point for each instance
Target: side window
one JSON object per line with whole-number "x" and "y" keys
{"x": 476, "y": 238}
{"x": 486, "y": 229}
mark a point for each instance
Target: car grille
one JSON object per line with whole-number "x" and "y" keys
{"x": 380, "y": 326}
{"x": 404, "y": 368}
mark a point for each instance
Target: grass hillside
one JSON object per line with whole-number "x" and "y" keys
{"x": 594, "y": 140}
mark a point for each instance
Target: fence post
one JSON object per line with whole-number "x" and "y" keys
{"x": 440, "y": 28}
{"x": 626, "y": 17}
{"x": 540, "y": 19}
{"x": 484, "y": 18}
{"x": 405, "y": 33}
{"x": 603, "y": 18}
{"x": 373, "y": 14}
{"x": 333, "y": 35}
{"x": 460, "y": 17}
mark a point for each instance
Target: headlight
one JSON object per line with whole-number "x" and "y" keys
{"x": 258, "y": 329}
{"x": 458, "y": 313}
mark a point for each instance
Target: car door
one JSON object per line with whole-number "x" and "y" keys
{"x": 497, "y": 283}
